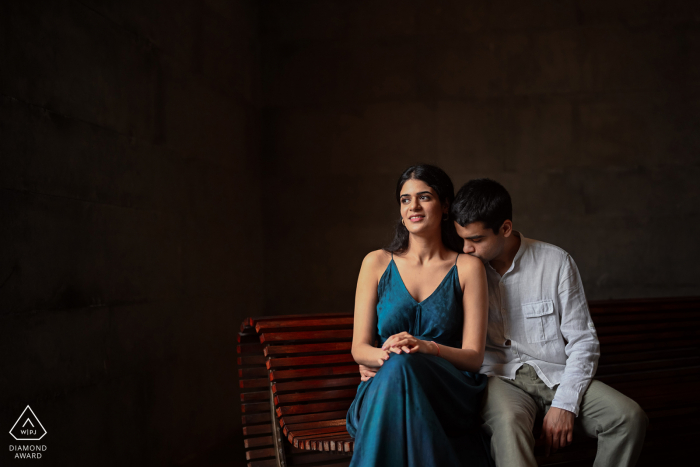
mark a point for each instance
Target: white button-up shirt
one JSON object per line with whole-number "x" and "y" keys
{"x": 538, "y": 315}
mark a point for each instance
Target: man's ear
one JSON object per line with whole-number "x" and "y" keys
{"x": 507, "y": 228}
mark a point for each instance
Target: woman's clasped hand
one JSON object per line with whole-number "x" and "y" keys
{"x": 406, "y": 343}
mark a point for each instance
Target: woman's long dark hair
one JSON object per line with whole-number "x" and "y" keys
{"x": 439, "y": 181}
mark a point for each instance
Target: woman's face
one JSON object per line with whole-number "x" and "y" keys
{"x": 421, "y": 209}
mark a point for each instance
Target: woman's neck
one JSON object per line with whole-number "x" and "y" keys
{"x": 424, "y": 249}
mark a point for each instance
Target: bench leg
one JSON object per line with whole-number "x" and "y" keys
{"x": 277, "y": 437}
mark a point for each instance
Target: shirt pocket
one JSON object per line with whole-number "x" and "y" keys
{"x": 540, "y": 321}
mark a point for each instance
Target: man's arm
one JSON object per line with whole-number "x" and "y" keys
{"x": 582, "y": 351}
{"x": 582, "y": 346}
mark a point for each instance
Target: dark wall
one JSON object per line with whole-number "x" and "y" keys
{"x": 167, "y": 168}
{"x": 130, "y": 223}
{"x": 587, "y": 111}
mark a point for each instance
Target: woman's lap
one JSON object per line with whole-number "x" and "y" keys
{"x": 420, "y": 398}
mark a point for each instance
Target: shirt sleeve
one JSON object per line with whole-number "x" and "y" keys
{"x": 582, "y": 346}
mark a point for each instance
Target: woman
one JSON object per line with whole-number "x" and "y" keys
{"x": 427, "y": 306}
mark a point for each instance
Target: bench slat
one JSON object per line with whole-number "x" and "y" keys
{"x": 255, "y": 407}
{"x": 656, "y": 354}
{"x": 271, "y": 350}
{"x": 252, "y": 372}
{"x": 611, "y": 348}
{"x": 303, "y": 457}
{"x": 311, "y": 408}
{"x": 655, "y": 327}
{"x": 623, "y": 368}
{"x": 668, "y": 336}
{"x": 253, "y": 383}
{"x": 256, "y": 442}
{"x": 641, "y": 304}
{"x": 253, "y": 321}
{"x": 314, "y": 395}
{"x": 676, "y": 374}
{"x": 305, "y": 335}
{"x": 251, "y": 360}
{"x": 313, "y": 438}
{"x": 277, "y": 325}
{"x": 249, "y": 348}
{"x": 306, "y": 361}
{"x": 604, "y": 319}
{"x": 255, "y": 396}
{"x": 321, "y": 432}
{"x": 277, "y": 375}
{"x": 266, "y": 463}
{"x": 251, "y": 419}
{"x": 315, "y": 384}
{"x": 638, "y": 391}
{"x": 257, "y": 429}
{"x": 312, "y": 417}
{"x": 259, "y": 453}
{"x": 312, "y": 425}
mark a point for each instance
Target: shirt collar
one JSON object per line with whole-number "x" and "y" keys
{"x": 521, "y": 250}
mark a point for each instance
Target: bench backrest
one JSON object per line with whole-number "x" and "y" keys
{"x": 297, "y": 377}
{"x": 310, "y": 379}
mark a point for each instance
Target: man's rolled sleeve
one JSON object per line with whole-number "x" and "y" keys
{"x": 582, "y": 346}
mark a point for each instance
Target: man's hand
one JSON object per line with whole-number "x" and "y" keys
{"x": 367, "y": 372}
{"x": 557, "y": 429}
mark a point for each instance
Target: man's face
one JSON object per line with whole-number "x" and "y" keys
{"x": 480, "y": 241}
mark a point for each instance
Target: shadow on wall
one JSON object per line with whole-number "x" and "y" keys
{"x": 168, "y": 169}
{"x": 128, "y": 131}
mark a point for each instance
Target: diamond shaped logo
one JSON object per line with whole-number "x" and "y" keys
{"x": 27, "y": 427}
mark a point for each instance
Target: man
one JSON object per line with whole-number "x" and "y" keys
{"x": 541, "y": 346}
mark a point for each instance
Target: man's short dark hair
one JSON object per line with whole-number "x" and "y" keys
{"x": 482, "y": 200}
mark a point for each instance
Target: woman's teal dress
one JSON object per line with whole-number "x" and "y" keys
{"x": 419, "y": 410}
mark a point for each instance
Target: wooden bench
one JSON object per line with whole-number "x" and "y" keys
{"x": 297, "y": 380}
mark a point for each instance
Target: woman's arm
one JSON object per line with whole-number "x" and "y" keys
{"x": 475, "y": 303}
{"x": 365, "y": 322}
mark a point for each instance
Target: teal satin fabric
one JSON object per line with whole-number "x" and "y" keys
{"x": 438, "y": 318}
{"x": 419, "y": 410}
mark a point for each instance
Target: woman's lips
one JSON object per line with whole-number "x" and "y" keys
{"x": 416, "y": 218}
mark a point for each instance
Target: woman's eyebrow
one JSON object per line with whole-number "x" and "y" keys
{"x": 419, "y": 193}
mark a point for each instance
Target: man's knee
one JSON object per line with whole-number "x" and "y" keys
{"x": 507, "y": 407}
{"x": 509, "y": 421}
{"x": 633, "y": 417}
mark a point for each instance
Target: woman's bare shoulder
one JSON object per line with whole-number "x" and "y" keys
{"x": 376, "y": 260}
{"x": 468, "y": 265}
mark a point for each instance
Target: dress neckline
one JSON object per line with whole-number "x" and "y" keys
{"x": 434, "y": 291}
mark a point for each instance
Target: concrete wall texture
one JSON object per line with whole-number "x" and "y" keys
{"x": 167, "y": 168}
{"x": 130, "y": 218}
{"x": 587, "y": 111}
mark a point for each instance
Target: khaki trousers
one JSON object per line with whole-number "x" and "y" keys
{"x": 510, "y": 409}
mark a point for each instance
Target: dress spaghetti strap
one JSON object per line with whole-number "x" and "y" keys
{"x": 457, "y": 259}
